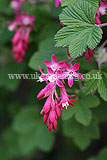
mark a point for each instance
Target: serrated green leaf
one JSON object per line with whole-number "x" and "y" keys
{"x": 81, "y": 135}
{"x": 104, "y": 68}
{"x": 67, "y": 2}
{"x": 80, "y": 30}
{"x": 45, "y": 53}
{"x": 102, "y": 86}
{"x": 91, "y": 81}
{"x": 94, "y": 3}
{"x": 102, "y": 83}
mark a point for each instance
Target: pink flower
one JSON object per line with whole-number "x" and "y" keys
{"x": 71, "y": 73}
{"x": 25, "y": 19}
{"x": 53, "y": 63}
{"x": 16, "y": 4}
{"x": 97, "y": 20}
{"x": 88, "y": 54}
{"x": 102, "y": 8}
{"x": 65, "y": 102}
{"x": 62, "y": 24}
{"x": 52, "y": 77}
{"x": 20, "y": 43}
{"x": 57, "y": 2}
{"x": 46, "y": 91}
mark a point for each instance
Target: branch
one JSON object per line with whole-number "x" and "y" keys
{"x": 77, "y": 58}
{"x": 102, "y": 25}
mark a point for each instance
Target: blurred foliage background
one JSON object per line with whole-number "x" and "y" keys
{"x": 23, "y": 136}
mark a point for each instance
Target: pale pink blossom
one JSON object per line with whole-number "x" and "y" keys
{"x": 72, "y": 73}
{"x": 102, "y": 8}
{"x": 16, "y": 4}
{"x": 53, "y": 63}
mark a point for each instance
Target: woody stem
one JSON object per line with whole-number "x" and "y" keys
{"x": 76, "y": 59}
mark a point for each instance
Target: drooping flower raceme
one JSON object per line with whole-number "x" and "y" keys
{"x": 22, "y": 26}
{"x": 56, "y": 73}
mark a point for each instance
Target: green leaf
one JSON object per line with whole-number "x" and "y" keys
{"x": 3, "y": 5}
{"x": 104, "y": 68}
{"x": 67, "y": 2}
{"x": 100, "y": 113}
{"x": 44, "y": 53}
{"x": 26, "y": 120}
{"x": 91, "y": 81}
{"x": 94, "y": 3}
{"x": 33, "y": 134}
{"x": 96, "y": 79}
{"x": 81, "y": 109}
{"x": 9, "y": 69}
{"x": 102, "y": 86}
{"x": 102, "y": 83}
{"x": 5, "y": 35}
{"x": 69, "y": 112}
{"x": 91, "y": 101}
{"x": 81, "y": 135}
{"x": 80, "y": 30}
{"x": 83, "y": 115}
{"x": 101, "y": 156}
{"x": 44, "y": 139}
{"x": 9, "y": 148}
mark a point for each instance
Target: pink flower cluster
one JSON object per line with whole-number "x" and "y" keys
{"x": 22, "y": 26}
{"x": 56, "y": 73}
{"x": 100, "y": 11}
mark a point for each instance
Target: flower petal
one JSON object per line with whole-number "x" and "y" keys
{"x": 67, "y": 66}
{"x": 48, "y": 63}
{"x": 70, "y": 81}
{"x": 59, "y": 83}
{"x": 40, "y": 69}
{"x": 49, "y": 70}
{"x": 53, "y": 58}
{"x": 61, "y": 64}
{"x": 76, "y": 66}
{"x": 56, "y": 3}
{"x": 78, "y": 75}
